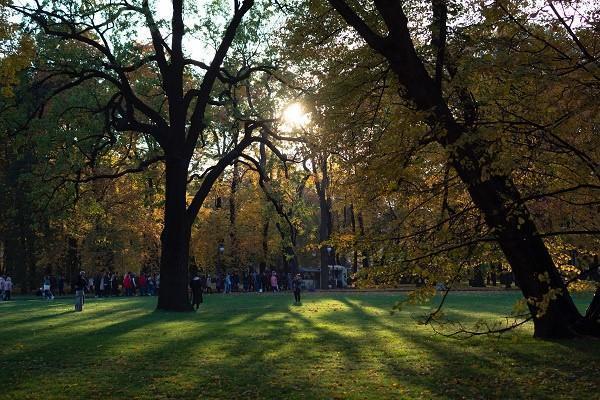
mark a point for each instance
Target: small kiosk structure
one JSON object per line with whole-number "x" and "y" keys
{"x": 311, "y": 277}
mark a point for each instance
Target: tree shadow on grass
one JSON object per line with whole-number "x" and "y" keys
{"x": 265, "y": 348}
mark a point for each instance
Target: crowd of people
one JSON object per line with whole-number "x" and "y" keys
{"x": 250, "y": 282}
{"x": 111, "y": 284}
{"x": 103, "y": 284}
{"x": 267, "y": 281}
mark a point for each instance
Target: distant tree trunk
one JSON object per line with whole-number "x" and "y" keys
{"x": 233, "y": 217}
{"x": 73, "y": 259}
{"x": 365, "y": 253}
{"x": 289, "y": 254}
{"x": 30, "y": 262}
{"x": 322, "y": 187}
{"x": 265, "y": 246}
{"x": 354, "y": 250}
{"x": 265, "y": 235}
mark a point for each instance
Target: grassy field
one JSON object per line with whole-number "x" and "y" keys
{"x": 333, "y": 346}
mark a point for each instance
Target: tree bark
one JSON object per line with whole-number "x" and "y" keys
{"x": 175, "y": 239}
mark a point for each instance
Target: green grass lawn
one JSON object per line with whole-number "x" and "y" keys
{"x": 334, "y": 346}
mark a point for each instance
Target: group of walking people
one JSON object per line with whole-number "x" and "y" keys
{"x": 104, "y": 284}
{"x": 107, "y": 284}
{"x": 200, "y": 284}
{"x": 267, "y": 281}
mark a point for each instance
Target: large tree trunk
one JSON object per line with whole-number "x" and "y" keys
{"x": 73, "y": 259}
{"x": 175, "y": 239}
{"x": 535, "y": 271}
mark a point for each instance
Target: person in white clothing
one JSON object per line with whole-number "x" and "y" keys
{"x": 7, "y": 288}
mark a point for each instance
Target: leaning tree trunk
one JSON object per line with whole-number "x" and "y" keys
{"x": 175, "y": 239}
{"x": 554, "y": 313}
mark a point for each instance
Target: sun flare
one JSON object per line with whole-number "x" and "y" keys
{"x": 294, "y": 116}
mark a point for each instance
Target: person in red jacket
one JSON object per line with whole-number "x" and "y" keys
{"x": 127, "y": 284}
{"x": 143, "y": 284}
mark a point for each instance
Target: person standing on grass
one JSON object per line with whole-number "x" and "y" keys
{"x": 134, "y": 284}
{"x": 127, "y": 284}
{"x": 297, "y": 287}
{"x": 196, "y": 286}
{"x": 274, "y": 286}
{"x": 101, "y": 285}
{"x": 142, "y": 283}
{"x": 227, "y": 283}
{"x": 151, "y": 290}
{"x": 7, "y": 288}
{"x": 208, "y": 284}
{"x": 109, "y": 285}
{"x": 46, "y": 286}
{"x": 79, "y": 284}
{"x": 114, "y": 284}
{"x": 257, "y": 281}
{"x": 90, "y": 285}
